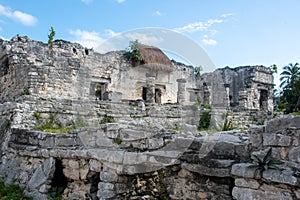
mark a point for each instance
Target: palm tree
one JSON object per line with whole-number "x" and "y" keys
{"x": 289, "y": 75}
{"x": 290, "y": 83}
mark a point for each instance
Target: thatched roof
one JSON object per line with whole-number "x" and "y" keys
{"x": 153, "y": 58}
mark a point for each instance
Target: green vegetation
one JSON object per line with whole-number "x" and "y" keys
{"x": 289, "y": 97}
{"x": 51, "y": 36}
{"x": 207, "y": 106}
{"x": 7, "y": 124}
{"x": 133, "y": 52}
{"x": 25, "y": 91}
{"x": 227, "y": 126}
{"x": 266, "y": 163}
{"x": 56, "y": 193}
{"x": 177, "y": 129}
{"x": 273, "y": 69}
{"x": 37, "y": 115}
{"x": 12, "y": 192}
{"x": 197, "y": 71}
{"x": 295, "y": 113}
{"x": 118, "y": 141}
{"x": 53, "y": 125}
{"x": 107, "y": 119}
{"x": 204, "y": 121}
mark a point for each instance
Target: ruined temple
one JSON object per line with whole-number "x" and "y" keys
{"x": 133, "y": 126}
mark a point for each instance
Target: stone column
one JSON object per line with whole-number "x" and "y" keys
{"x": 226, "y": 97}
{"x": 181, "y": 91}
{"x": 150, "y": 88}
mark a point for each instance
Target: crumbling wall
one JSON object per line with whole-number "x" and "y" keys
{"x": 68, "y": 70}
{"x": 282, "y": 135}
{"x": 241, "y": 88}
{"x": 143, "y": 164}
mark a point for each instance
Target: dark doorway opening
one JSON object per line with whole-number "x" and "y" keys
{"x": 59, "y": 181}
{"x": 157, "y": 96}
{"x": 263, "y": 101}
{"x": 144, "y": 93}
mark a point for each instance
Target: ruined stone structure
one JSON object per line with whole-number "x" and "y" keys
{"x": 151, "y": 148}
{"x": 241, "y": 88}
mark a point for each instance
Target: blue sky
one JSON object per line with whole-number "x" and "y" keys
{"x": 233, "y": 33}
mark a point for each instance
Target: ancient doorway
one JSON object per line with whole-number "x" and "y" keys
{"x": 144, "y": 93}
{"x": 263, "y": 100}
{"x": 157, "y": 96}
{"x": 100, "y": 89}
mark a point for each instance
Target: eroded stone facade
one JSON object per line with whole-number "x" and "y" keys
{"x": 153, "y": 148}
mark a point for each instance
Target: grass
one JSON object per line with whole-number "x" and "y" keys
{"x": 295, "y": 113}
{"x": 51, "y": 129}
{"x": 12, "y": 192}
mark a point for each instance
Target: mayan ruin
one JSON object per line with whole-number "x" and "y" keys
{"x": 101, "y": 126}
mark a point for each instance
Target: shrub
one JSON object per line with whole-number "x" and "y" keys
{"x": 51, "y": 36}
{"x": 207, "y": 106}
{"x": 12, "y": 192}
{"x": 204, "y": 120}
{"x": 227, "y": 126}
{"x": 133, "y": 52}
{"x": 25, "y": 91}
{"x": 266, "y": 163}
{"x": 107, "y": 119}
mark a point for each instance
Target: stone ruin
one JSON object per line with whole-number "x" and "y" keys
{"x": 150, "y": 149}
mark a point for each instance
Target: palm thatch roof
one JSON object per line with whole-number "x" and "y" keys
{"x": 154, "y": 59}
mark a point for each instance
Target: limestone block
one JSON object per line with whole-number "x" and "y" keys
{"x": 38, "y": 179}
{"x": 294, "y": 154}
{"x": 247, "y": 183}
{"x": 208, "y": 171}
{"x": 132, "y": 158}
{"x": 277, "y": 124}
{"x": 281, "y": 177}
{"x": 239, "y": 193}
{"x": 271, "y": 139}
{"x": 106, "y": 186}
{"x": 243, "y": 170}
{"x": 108, "y": 176}
{"x": 95, "y": 165}
{"x": 105, "y": 194}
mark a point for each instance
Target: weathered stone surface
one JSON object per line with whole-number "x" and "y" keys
{"x": 271, "y": 139}
{"x": 208, "y": 171}
{"x": 277, "y": 124}
{"x": 246, "y": 183}
{"x": 106, "y": 176}
{"x": 281, "y": 177}
{"x": 250, "y": 194}
{"x": 294, "y": 154}
{"x": 244, "y": 170}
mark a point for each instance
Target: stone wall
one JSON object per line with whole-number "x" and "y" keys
{"x": 241, "y": 88}
{"x": 116, "y": 162}
{"x": 282, "y": 135}
{"x": 70, "y": 71}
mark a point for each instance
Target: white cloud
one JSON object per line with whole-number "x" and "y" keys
{"x": 143, "y": 38}
{"x": 227, "y": 15}
{"x": 24, "y": 18}
{"x": 198, "y": 26}
{"x": 209, "y": 41}
{"x": 120, "y": 1}
{"x": 110, "y": 33}
{"x": 157, "y": 13}
{"x": 87, "y": 1}
{"x": 85, "y": 38}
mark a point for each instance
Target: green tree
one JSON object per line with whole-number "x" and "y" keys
{"x": 273, "y": 68}
{"x": 290, "y": 84}
{"x": 289, "y": 75}
{"x": 51, "y": 35}
{"x": 197, "y": 71}
{"x": 133, "y": 51}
